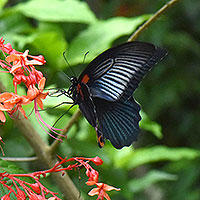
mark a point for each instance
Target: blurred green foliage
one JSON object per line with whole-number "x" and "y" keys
{"x": 161, "y": 167}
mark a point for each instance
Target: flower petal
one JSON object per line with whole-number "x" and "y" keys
{"x": 41, "y": 83}
{"x": 12, "y": 57}
{"x": 94, "y": 191}
{"x": 32, "y": 92}
{"x": 40, "y": 103}
{"x": 109, "y": 188}
{"x": 90, "y": 183}
{"x": 2, "y": 117}
{"x": 22, "y": 111}
{"x": 5, "y": 96}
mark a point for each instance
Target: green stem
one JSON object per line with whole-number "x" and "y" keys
{"x": 151, "y": 20}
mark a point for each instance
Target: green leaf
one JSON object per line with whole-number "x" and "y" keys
{"x": 58, "y": 11}
{"x": 12, "y": 169}
{"x": 151, "y": 126}
{"x": 9, "y": 23}
{"x": 99, "y": 36}
{"x": 51, "y": 45}
{"x": 2, "y": 4}
{"x": 130, "y": 158}
{"x": 154, "y": 176}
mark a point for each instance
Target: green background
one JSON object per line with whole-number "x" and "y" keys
{"x": 164, "y": 163}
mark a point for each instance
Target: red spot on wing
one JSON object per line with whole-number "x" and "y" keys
{"x": 78, "y": 87}
{"x": 85, "y": 78}
{"x": 79, "y": 90}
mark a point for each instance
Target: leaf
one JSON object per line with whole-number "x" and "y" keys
{"x": 12, "y": 169}
{"x": 130, "y": 158}
{"x": 9, "y": 23}
{"x": 3, "y": 3}
{"x": 51, "y": 45}
{"x": 99, "y": 36}
{"x": 154, "y": 176}
{"x": 151, "y": 126}
{"x": 58, "y": 11}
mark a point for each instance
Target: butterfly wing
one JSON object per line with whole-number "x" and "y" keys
{"x": 119, "y": 121}
{"x": 111, "y": 73}
{"x": 86, "y": 104}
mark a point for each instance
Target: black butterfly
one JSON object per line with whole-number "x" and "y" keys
{"x": 104, "y": 90}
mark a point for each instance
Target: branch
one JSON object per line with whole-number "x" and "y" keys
{"x": 151, "y": 20}
{"x": 17, "y": 159}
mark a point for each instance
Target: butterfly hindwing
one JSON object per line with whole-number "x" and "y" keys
{"x": 119, "y": 123}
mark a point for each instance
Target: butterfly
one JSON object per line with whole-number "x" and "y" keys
{"x": 104, "y": 90}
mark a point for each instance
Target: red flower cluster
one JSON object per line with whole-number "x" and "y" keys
{"x": 21, "y": 66}
{"x": 36, "y": 191}
{"x": 93, "y": 178}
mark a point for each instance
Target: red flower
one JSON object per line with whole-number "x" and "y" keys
{"x": 20, "y": 60}
{"x": 11, "y": 102}
{"x": 93, "y": 176}
{"x": 101, "y": 190}
{"x": 37, "y": 94}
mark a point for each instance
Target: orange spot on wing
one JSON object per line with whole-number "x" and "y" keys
{"x": 101, "y": 141}
{"x": 85, "y": 78}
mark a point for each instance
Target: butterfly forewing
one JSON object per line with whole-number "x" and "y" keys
{"x": 112, "y": 71}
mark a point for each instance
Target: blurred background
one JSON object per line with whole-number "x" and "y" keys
{"x": 164, "y": 163}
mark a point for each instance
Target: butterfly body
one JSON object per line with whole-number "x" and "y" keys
{"x": 104, "y": 90}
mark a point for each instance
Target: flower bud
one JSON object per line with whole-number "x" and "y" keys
{"x": 97, "y": 161}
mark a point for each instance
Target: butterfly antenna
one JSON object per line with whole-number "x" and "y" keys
{"x": 60, "y": 104}
{"x": 62, "y": 115}
{"x": 84, "y": 58}
{"x": 64, "y": 55}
